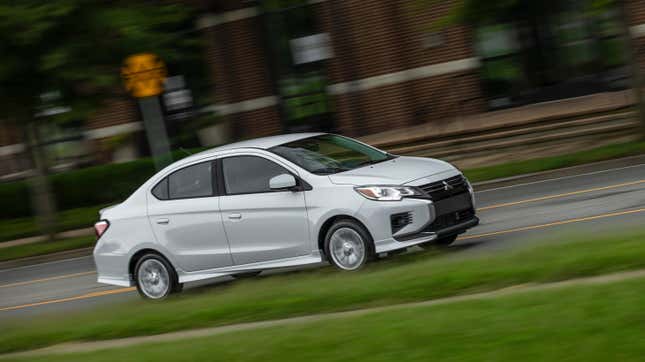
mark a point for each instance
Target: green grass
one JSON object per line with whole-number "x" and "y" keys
{"x": 40, "y": 248}
{"x": 85, "y": 217}
{"x": 414, "y": 277}
{"x": 579, "y": 323}
{"x": 555, "y": 162}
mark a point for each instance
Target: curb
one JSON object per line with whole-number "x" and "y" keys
{"x": 599, "y": 166}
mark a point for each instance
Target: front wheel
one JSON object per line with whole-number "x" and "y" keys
{"x": 155, "y": 277}
{"x": 348, "y": 246}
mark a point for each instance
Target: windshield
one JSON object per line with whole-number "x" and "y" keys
{"x": 328, "y": 154}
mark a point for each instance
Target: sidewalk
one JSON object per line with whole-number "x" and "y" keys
{"x": 561, "y": 109}
{"x": 80, "y": 347}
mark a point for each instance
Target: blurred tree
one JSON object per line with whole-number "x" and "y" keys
{"x": 74, "y": 48}
{"x": 475, "y": 12}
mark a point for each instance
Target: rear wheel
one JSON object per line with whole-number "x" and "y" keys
{"x": 155, "y": 277}
{"x": 441, "y": 242}
{"x": 348, "y": 246}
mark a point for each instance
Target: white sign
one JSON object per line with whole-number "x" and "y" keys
{"x": 311, "y": 48}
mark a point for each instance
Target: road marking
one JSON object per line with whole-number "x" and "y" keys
{"x": 558, "y": 178}
{"x": 563, "y": 222}
{"x": 47, "y": 279}
{"x": 69, "y": 299}
{"x": 561, "y": 195}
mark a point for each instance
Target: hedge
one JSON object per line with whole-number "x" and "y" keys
{"x": 90, "y": 186}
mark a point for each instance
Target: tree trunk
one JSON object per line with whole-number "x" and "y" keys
{"x": 636, "y": 73}
{"x": 42, "y": 198}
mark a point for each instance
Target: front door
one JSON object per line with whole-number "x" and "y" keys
{"x": 261, "y": 224}
{"x": 185, "y": 217}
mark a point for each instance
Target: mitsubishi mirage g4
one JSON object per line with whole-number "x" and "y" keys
{"x": 277, "y": 202}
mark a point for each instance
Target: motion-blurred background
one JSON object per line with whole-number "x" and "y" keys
{"x": 90, "y": 90}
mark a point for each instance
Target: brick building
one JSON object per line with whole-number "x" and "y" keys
{"x": 360, "y": 67}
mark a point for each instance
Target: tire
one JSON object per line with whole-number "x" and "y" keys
{"x": 441, "y": 243}
{"x": 348, "y": 245}
{"x": 246, "y": 275}
{"x": 155, "y": 278}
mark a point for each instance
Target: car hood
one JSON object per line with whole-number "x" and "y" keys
{"x": 398, "y": 171}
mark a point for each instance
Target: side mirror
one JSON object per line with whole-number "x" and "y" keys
{"x": 284, "y": 181}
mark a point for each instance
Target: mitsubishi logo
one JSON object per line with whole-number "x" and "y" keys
{"x": 446, "y": 186}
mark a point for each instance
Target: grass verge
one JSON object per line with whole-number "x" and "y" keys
{"x": 555, "y": 162}
{"x": 41, "y": 248}
{"x": 579, "y": 323}
{"x": 414, "y": 277}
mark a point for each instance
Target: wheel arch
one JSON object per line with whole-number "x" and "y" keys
{"x": 324, "y": 228}
{"x": 140, "y": 253}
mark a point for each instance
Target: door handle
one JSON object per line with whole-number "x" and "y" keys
{"x": 163, "y": 221}
{"x": 235, "y": 216}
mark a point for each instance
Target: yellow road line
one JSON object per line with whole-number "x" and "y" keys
{"x": 563, "y": 222}
{"x": 561, "y": 195}
{"x": 47, "y": 279}
{"x": 69, "y": 299}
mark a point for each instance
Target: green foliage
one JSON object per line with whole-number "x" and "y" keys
{"x": 84, "y": 188}
{"x": 494, "y": 11}
{"x": 76, "y": 47}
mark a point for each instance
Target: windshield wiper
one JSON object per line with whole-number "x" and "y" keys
{"x": 329, "y": 170}
{"x": 372, "y": 162}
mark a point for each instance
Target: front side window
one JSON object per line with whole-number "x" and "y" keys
{"x": 328, "y": 154}
{"x": 249, "y": 174}
{"x": 192, "y": 181}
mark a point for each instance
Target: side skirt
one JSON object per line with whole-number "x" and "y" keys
{"x": 185, "y": 277}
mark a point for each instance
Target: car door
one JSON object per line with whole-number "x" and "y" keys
{"x": 183, "y": 209}
{"x": 261, "y": 224}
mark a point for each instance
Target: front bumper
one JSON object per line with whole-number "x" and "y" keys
{"x": 430, "y": 221}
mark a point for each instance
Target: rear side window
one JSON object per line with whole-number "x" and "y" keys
{"x": 161, "y": 190}
{"x": 192, "y": 181}
{"x": 249, "y": 174}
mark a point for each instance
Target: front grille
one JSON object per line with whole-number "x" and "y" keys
{"x": 437, "y": 191}
{"x": 451, "y": 219}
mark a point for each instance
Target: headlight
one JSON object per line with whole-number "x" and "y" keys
{"x": 387, "y": 193}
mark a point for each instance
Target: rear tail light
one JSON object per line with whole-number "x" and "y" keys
{"x": 100, "y": 227}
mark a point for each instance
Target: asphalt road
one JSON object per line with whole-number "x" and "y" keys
{"x": 553, "y": 209}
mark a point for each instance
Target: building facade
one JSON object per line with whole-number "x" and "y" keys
{"x": 359, "y": 67}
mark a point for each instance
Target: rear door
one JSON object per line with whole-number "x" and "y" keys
{"x": 183, "y": 210}
{"x": 261, "y": 224}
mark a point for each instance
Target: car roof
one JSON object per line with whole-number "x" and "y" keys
{"x": 261, "y": 143}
